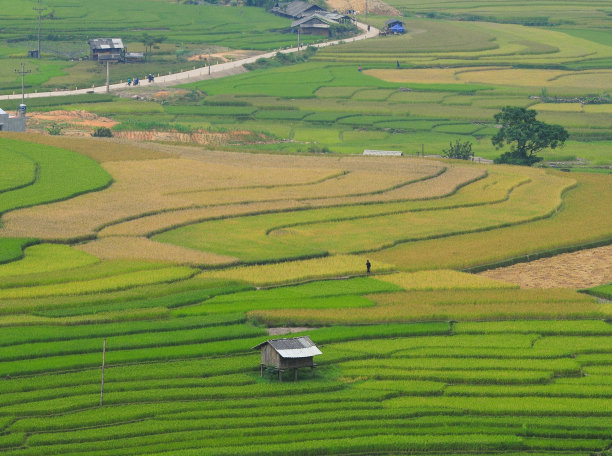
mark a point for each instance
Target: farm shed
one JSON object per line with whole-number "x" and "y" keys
{"x": 284, "y": 354}
{"x": 394, "y": 26}
{"x": 103, "y": 49}
{"x": 383, "y": 153}
{"x": 12, "y": 123}
{"x": 296, "y": 9}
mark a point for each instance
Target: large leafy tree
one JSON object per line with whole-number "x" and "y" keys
{"x": 526, "y": 135}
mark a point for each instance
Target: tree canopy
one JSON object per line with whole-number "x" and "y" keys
{"x": 526, "y": 135}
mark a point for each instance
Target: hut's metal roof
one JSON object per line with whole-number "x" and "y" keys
{"x": 295, "y": 347}
{"x": 106, "y": 43}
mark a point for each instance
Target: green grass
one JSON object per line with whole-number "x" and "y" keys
{"x": 45, "y": 258}
{"x": 61, "y": 174}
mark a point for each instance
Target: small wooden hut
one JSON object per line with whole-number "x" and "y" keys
{"x": 284, "y": 354}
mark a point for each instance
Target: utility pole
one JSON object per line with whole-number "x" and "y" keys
{"x": 298, "y": 39}
{"x": 23, "y": 72}
{"x": 102, "y": 388}
{"x": 209, "y": 62}
{"x": 107, "y": 77}
{"x": 39, "y": 9}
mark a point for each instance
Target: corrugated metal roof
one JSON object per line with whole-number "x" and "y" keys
{"x": 295, "y": 347}
{"x": 383, "y": 152}
{"x": 323, "y": 19}
{"x": 106, "y": 43}
{"x": 298, "y": 8}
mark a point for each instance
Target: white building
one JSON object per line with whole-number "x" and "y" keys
{"x": 11, "y": 123}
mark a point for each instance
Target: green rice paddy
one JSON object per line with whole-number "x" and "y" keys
{"x": 418, "y": 357}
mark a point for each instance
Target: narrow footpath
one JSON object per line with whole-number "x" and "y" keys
{"x": 199, "y": 74}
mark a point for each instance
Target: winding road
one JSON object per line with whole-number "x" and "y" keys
{"x": 219, "y": 70}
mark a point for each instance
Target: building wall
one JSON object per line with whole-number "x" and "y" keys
{"x": 287, "y": 363}
{"x": 12, "y": 123}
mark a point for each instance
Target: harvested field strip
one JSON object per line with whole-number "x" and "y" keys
{"x": 581, "y": 269}
{"x": 301, "y": 184}
{"x": 61, "y": 174}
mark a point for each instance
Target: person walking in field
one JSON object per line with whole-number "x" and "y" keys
{"x": 368, "y": 265}
{"x": 129, "y": 81}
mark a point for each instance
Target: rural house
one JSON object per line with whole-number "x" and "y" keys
{"x": 394, "y": 26}
{"x": 106, "y": 49}
{"x": 284, "y": 354}
{"x": 296, "y": 9}
{"x": 316, "y": 24}
{"x": 12, "y": 123}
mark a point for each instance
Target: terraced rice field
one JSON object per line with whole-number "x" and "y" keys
{"x": 188, "y": 258}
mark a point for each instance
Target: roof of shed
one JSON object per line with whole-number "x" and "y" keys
{"x": 106, "y": 43}
{"x": 296, "y": 347}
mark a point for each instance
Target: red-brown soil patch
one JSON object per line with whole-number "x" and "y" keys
{"x": 73, "y": 118}
{"x": 582, "y": 269}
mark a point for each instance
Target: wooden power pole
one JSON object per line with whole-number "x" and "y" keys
{"x": 39, "y": 9}
{"x": 103, "y": 359}
{"x": 23, "y": 72}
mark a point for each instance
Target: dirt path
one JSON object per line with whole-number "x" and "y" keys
{"x": 582, "y": 269}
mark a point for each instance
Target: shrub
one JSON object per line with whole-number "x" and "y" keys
{"x": 462, "y": 151}
{"x": 102, "y": 132}
{"x": 54, "y": 129}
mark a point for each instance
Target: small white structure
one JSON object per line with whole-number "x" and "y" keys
{"x": 12, "y": 123}
{"x": 383, "y": 153}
